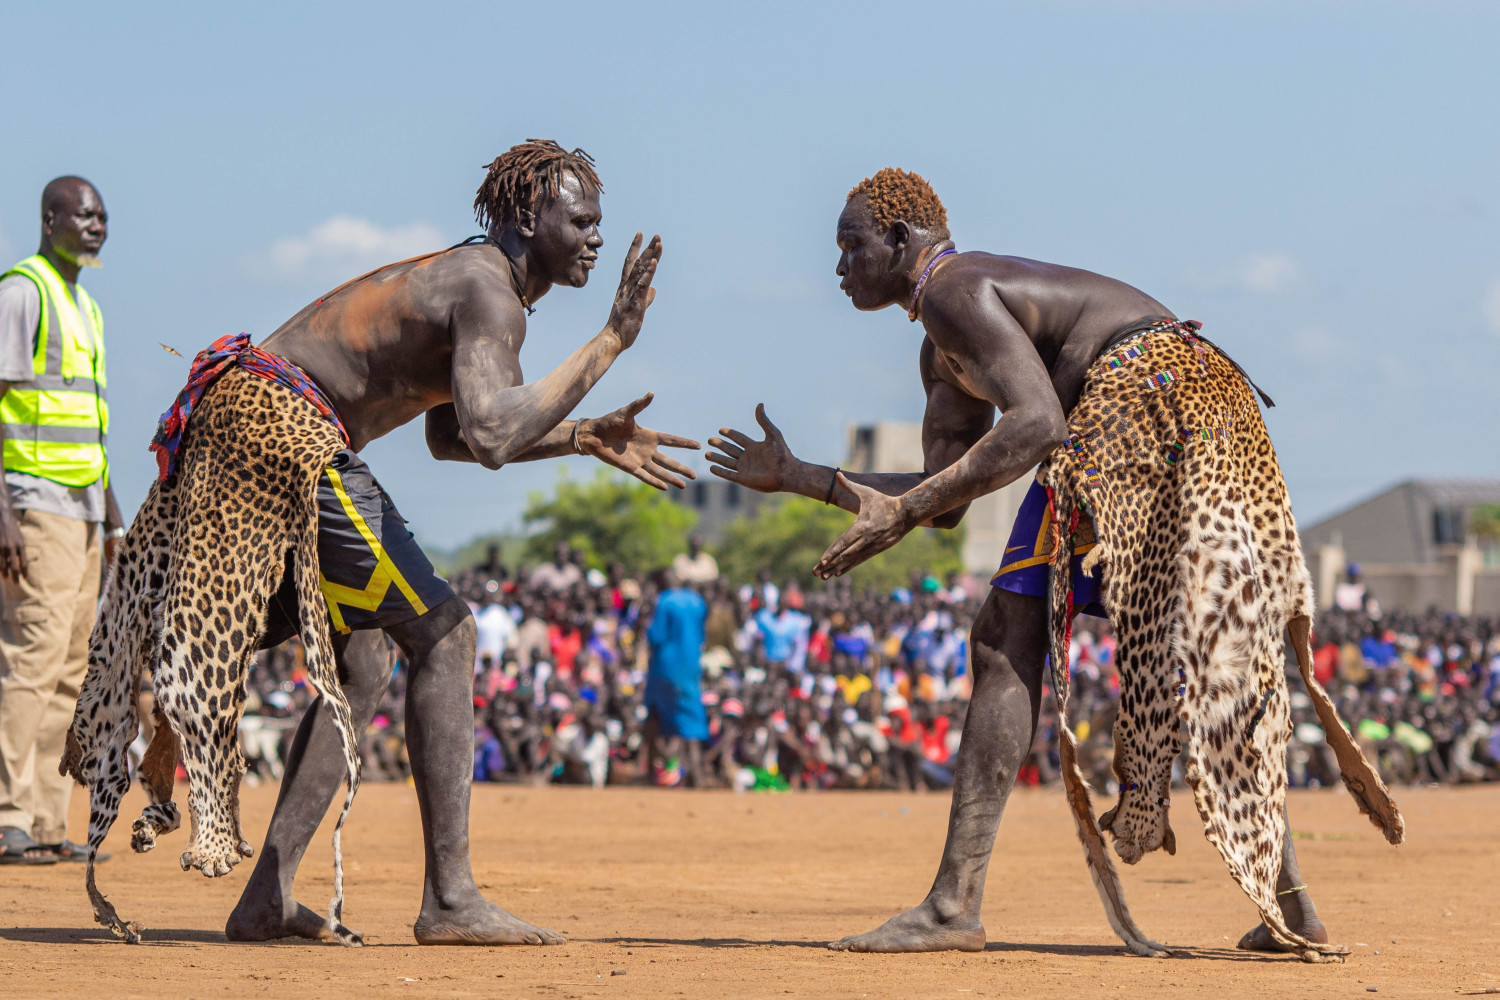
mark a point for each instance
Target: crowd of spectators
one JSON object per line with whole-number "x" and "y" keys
{"x": 838, "y": 688}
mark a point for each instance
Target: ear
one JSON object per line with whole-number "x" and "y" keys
{"x": 900, "y": 235}
{"x": 527, "y": 225}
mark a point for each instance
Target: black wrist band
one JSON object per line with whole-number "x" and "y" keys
{"x": 833, "y": 484}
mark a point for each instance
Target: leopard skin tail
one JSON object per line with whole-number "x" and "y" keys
{"x": 1102, "y": 870}
{"x": 322, "y": 672}
{"x": 1362, "y": 780}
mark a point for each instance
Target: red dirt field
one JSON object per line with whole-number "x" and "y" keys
{"x": 710, "y": 894}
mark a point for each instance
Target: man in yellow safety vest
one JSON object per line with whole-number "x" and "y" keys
{"x": 57, "y": 513}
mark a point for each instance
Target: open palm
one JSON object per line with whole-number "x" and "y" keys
{"x": 616, "y": 439}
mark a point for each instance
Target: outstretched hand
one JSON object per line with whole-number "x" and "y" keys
{"x": 635, "y": 292}
{"x": 760, "y": 465}
{"x": 616, "y": 439}
{"x": 882, "y": 522}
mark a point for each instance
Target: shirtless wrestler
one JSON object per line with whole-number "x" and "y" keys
{"x": 441, "y": 336}
{"x": 1001, "y": 334}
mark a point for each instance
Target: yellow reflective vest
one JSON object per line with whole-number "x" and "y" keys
{"x": 55, "y": 424}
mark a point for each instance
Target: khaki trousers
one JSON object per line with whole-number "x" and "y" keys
{"x": 45, "y": 621}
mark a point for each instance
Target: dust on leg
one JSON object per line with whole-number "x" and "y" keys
{"x": 1009, "y": 643}
{"x": 315, "y": 769}
{"x": 440, "y": 738}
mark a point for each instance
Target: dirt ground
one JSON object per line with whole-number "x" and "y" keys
{"x": 711, "y": 894}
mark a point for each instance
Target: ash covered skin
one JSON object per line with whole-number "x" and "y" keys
{"x": 1004, "y": 336}
{"x": 440, "y": 337}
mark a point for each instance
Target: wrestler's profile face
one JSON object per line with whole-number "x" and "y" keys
{"x": 866, "y": 258}
{"x": 567, "y": 241}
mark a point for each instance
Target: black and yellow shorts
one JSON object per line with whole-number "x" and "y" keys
{"x": 374, "y": 574}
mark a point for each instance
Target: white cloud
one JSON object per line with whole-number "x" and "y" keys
{"x": 1259, "y": 273}
{"x": 1491, "y": 307}
{"x": 343, "y": 246}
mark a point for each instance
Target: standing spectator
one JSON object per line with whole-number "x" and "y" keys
{"x": 784, "y": 637}
{"x": 55, "y": 514}
{"x": 561, "y": 574}
{"x": 496, "y": 628}
{"x": 492, "y": 568}
{"x": 695, "y": 567}
{"x": 674, "y": 696}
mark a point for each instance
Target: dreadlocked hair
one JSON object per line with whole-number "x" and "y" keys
{"x": 895, "y": 194}
{"x": 519, "y": 178}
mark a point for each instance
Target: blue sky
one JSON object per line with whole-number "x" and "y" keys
{"x": 1316, "y": 182}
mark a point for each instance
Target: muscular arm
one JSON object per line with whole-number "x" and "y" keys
{"x": 953, "y": 423}
{"x": 502, "y": 418}
{"x": 445, "y": 439}
{"x": 998, "y": 360}
{"x": 993, "y": 358}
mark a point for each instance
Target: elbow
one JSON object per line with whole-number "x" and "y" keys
{"x": 492, "y": 450}
{"x": 491, "y": 459}
{"x": 1050, "y": 431}
{"x": 951, "y": 519}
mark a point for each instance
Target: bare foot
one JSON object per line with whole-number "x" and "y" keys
{"x": 480, "y": 922}
{"x": 1259, "y": 938}
{"x": 252, "y": 922}
{"x": 921, "y": 928}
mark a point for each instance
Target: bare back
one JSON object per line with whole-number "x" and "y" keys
{"x": 381, "y": 347}
{"x": 1066, "y": 314}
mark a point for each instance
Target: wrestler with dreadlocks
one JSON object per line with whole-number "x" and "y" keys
{"x": 1159, "y": 504}
{"x": 440, "y": 337}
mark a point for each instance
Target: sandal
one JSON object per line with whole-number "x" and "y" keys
{"x": 17, "y": 848}
{"x": 69, "y": 851}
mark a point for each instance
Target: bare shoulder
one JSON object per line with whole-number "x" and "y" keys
{"x": 465, "y": 272}
{"x": 965, "y": 296}
{"x": 977, "y": 268}
{"x": 1044, "y": 299}
{"x": 469, "y": 291}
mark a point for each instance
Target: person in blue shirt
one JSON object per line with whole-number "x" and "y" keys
{"x": 674, "y": 697}
{"x": 784, "y": 636}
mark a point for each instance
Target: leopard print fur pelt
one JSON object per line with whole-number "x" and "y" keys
{"x": 186, "y": 601}
{"x": 1203, "y": 574}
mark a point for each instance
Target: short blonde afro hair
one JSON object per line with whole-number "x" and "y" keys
{"x": 895, "y": 194}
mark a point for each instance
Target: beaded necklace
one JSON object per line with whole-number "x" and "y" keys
{"x": 916, "y": 293}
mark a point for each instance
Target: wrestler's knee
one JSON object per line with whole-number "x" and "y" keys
{"x": 449, "y": 623}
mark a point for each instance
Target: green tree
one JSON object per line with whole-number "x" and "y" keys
{"x": 790, "y": 533}
{"x": 1484, "y": 521}
{"x": 611, "y": 519}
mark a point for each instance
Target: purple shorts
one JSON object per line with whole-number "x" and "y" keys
{"x": 1024, "y": 568}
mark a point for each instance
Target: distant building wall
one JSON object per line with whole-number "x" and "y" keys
{"x": 717, "y": 502}
{"x": 1383, "y": 529}
{"x": 1487, "y": 592}
{"x": 1457, "y": 582}
{"x": 987, "y": 526}
{"x": 1415, "y": 546}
